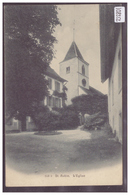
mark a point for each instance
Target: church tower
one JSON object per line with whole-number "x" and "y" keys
{"x": 75, "y": 70}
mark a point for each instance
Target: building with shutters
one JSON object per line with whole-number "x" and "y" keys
{"x": 55, "y": 88}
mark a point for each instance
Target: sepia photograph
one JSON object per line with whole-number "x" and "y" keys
{"x": 65, "y": 68}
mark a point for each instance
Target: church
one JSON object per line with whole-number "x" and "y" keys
{"x": 75, "y": 70}
{"x": 74, "y": 74}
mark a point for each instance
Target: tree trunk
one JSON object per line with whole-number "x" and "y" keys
{"x": 23, "y": 124}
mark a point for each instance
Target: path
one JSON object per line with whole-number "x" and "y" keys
{"x": 70, "y": 151}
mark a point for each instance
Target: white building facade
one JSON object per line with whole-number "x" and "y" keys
{"x": 115, "y": 93}
{"x": 111, "y": 66}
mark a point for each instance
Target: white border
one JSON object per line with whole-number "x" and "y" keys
{"x": 1, "y": 71}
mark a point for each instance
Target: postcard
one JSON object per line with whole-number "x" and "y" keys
{"x": 65, "y": 92}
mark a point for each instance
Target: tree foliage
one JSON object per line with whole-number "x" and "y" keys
{"x": 91, "y": 104}
{"x": 28, "y": 50}
{"x": 57, "y": 119}
{"x": 95, "y": 121}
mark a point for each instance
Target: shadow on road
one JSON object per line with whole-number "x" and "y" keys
{"x": 36, "y": 154}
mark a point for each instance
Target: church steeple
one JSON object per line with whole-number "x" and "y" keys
{"x": 73, "y": 52}
{"x": 75, "y": 70}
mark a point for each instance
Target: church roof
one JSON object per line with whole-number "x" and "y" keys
{"x": 51, "y": 73}
{"x": 91, "y": 91}
{"x": 74, "y": 52}
{"x": 95, "y": 91}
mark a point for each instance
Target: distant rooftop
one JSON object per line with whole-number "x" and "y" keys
{"x": 50, "y": 72}
{"x": 91, "y": 91}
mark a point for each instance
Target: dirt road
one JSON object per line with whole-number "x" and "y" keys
{"x": 68, "y": 151}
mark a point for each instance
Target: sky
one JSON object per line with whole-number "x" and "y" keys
{"x": 86, "y": 36}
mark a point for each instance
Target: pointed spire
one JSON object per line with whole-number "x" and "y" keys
{"x": 74, "y": 30}
{"x": 73, "y": 52}
{"x": 74, "y": 25}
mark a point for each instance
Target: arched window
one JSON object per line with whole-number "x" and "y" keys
{"x": 84, "y": 82}
{"x": 83, "y": 70}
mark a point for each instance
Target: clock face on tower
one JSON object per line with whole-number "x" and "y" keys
{"x": 84, "y": 82}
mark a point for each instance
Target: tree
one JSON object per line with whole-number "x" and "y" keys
{"x": 28, "y": 50}
{"x": 90, "y": 104}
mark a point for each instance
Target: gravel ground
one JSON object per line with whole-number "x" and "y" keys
{"x": 70, "y": 150}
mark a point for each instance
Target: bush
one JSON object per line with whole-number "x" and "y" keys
{"x": 91, "y": 104}
{"x": 69, "y": 119}
{"x": 95, "y": 121}
{"x": 46, "y": 121}
{"x": 57, "y": 119}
